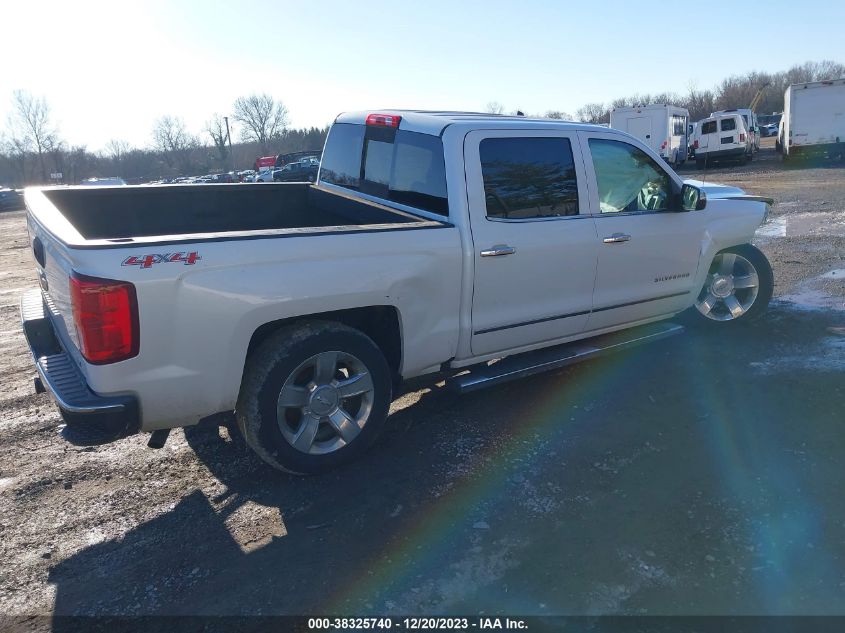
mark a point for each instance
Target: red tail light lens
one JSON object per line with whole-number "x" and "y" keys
{"x": 384, "y": 120}
{"x": 663, "y": 145}
{"x": 695, "y": 144}
{"x": 105, "y": 313}
{"x": 742, "y": 138}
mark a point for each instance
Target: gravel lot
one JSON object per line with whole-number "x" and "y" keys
{"x": 700, "y": 475}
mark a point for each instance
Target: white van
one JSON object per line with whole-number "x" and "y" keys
{"x": 751, "y": 125}
{"x": 722, "y": 138}
{"x": 662, "y": 127}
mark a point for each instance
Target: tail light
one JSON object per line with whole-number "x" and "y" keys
{"x": 384, "y": 120}
{"x": 105, "y": 313}
{"x": 663, "y": 145}
{"x": 695, "y": 144}
{"x": 742, "y": 138}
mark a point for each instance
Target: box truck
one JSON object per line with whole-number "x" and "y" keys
{"x": 813, "y": 119}
{"x": 662, "y": 127}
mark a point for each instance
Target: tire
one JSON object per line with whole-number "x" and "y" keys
{"x": 700, "y": 163}
{"x": 318, "y": 428}
{"x": 720, "y": 302}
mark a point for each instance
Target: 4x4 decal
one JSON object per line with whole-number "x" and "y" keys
{"x": 146, "y": 261}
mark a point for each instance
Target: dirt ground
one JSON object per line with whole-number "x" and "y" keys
{"x": 700, "y": 475}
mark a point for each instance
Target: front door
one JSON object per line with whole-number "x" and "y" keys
{"x": 648, "y": 255}
{"x": 535, "y": 245}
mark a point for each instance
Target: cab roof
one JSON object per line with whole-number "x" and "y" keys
{"x": 435, "y": 121}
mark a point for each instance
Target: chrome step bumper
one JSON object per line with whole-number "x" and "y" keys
{"x": 91, "y": 418}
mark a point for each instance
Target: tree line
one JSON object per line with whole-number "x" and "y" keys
{"x": 31, "y": 146}
{"x": 32, "y": 149}
{"x": 736, "y": 91}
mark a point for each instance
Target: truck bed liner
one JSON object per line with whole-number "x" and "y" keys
{"x": 131, "y": 212}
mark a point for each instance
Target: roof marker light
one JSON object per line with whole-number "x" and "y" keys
{"x": 384, "y": 120}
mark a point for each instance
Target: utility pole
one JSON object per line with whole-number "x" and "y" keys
{"x": 229, "y": 137}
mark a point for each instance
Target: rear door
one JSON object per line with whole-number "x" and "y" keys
{"x": 730, "y": 129}
{"x": 535, "y": 244}
{"x": 648, "y": 255}
{"x": 706, "y": 130}
{"x": 641, "y": 128}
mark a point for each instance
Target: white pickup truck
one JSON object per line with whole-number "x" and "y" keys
{"x": 484, "y": 247}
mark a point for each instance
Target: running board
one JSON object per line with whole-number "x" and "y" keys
{"x": 530, "y": 363}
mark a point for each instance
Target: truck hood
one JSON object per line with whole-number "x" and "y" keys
{"x": 714, "y": 190}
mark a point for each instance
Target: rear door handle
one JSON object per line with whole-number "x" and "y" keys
{"x": 498, "y": 250}
{"x": 616, "y": 237}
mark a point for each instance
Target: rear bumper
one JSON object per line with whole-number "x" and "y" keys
{"x": 819, "y": 149}
{"x": 721, "y": 154}
{"x": 91, "y": 419}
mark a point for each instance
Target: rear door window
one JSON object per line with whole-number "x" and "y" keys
{"x": 708, "y": 127}
{"x": 728, "y": 125}
{"x": 397, "y": 165}
{"x": 531, "y": 177}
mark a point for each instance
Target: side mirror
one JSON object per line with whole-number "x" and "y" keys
{"x": 692, "y": 198}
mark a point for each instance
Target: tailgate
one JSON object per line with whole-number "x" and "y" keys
{"x": 54, "y": 264}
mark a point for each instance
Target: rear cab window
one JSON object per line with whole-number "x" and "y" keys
{"x": 403, "y": 167}
{"x": 528, "y": 177}
{"x": 708, "y": 127}
{"x": 728, "y": 125}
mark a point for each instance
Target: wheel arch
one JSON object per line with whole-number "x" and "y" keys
{"x": 382, "y": 323}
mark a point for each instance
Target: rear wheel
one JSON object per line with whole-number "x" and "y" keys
{"x": 314, "y": 396}
{"x": 738, "y": 286}
{"x": 700, "y": 163}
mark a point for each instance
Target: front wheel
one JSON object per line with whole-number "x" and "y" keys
{"x": 314, "y": 396}
{"x": 738, "y": 286}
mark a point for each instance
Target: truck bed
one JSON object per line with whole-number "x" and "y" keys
{"x": 118, "y": 213}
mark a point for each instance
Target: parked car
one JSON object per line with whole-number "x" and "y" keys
{"x": 11, "y": 199}
{"x": 302, "y": 171}
{"x": 770, "y": 129}
{"x": 111, "y": 181}
{"x": 296, "y": 157}
{"x": 722, "y": 138}
{"x": 264, "y": 176}
{"x": 431, "y": 243}
{"x": 662, "y": 127}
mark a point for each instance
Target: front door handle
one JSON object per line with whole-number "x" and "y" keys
{"x": 498, "y": 250}
{"x": 616, "y": 237}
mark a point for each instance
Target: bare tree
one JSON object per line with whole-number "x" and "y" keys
{"x": 117, "y": 149}
{"x": 494, "y": 107}
{"x": 30, "y": 128}
{"x": 263, "y": 118}
{"x": 558, "y": 114}
{"x": 174, "y": 142}
{"x": 593, "y": 113}
{"x": 216, "y": 128}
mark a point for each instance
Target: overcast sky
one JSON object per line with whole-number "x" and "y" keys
{"x": 110, "y": 69}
